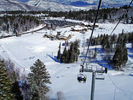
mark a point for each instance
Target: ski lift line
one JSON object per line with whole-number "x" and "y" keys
{"x": 100, "y": 1}
{"x": 122, "y": 90}
{"x": 116, "y": 26}
{"x": 130, "y": 3}
{"x": 121, "y": 18}
{"x": 21, "y": 66}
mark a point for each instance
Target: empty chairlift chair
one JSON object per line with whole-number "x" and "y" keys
{"x": 81, "y": 78}
{"x": 100, "y": 76}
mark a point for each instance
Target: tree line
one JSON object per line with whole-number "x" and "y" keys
{"x": 115, "y": 44}
{"x": 70, "y": 53}
{"x": 32, "y": 87}
{"x": 110, "y": 14}
{"x": 110, "y": 44}
{"x": 105, "y": 14}
{"x": 17, "y": 23}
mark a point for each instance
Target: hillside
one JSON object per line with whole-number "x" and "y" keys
{"x": 23, "y": 52}
{"x": 57, "y": 5}
{"x": 83, "y": 3}
{"x": 52, "y": 6}
{"x": 13, "y": 5}
{"x": 58, "y": 50}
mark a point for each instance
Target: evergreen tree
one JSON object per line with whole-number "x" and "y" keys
{"x": 26, "y": 90}
{"x": 95, "y": 53}
{"x": 131, "y": 20}
{"x": 117, "y": 58}
{"x": 76, "y": 49}
{"x": 113, "y": 40}
{"x": 13, "y": 74}
{"x": 5, "y": 84}
{"x": 62, "y": 59}
{"x": 126, "y": 18}
{"x": 120, "y": 57}
{"x": 65, "y": 55}
{"x": 59, "y": 54}
{"x": 108, "y": 45}
{"x": 105, "y": 16}
{"x": 38, "y": 78}
{"x": 71, "y": 55}
{"x": 16, "y": 91}
{"x": 103, "y": 41}
{"x": 125, "y": 55}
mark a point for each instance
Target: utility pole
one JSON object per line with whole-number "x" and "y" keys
{"x": 94, "y": 71}
{"x": 93, "y": 85}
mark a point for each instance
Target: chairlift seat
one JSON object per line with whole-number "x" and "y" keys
{"x": 99, "y": 76}
{"x": 81, "y": 77}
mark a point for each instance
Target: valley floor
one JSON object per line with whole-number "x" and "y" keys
{"x": 25, "y": 50}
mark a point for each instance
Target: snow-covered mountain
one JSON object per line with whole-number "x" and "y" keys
{"x": 58, "y": 5}
{"x": 11, "y": 5}
{"x": 91, "y": 1}
{"x": 114, "y": 3}
{"x": 52, "y": 6}
{"x": 67, "y": 5}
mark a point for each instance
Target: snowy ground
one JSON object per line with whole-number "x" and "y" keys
{"x": 25, "y": 50}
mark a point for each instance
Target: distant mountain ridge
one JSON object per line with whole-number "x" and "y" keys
{"x": 53, "y": 6}
{"x": 58, "y": 5}
{"x": 67, "y": 5}
{"x": 88, "y": 2}
{"x": 12, "y": 5}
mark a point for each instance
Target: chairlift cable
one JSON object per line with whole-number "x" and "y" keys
{"x": 117, "y": 87}
{"x": 100, "y": 1}
{"x": 94, "y": 27}
{"x": 121, "y": 18}
{"x": 130, "y": 3}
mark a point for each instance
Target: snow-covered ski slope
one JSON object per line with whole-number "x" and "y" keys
{"x": 25, "y": 50}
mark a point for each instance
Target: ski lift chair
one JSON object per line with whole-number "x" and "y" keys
{"x": 100, "y": 76}
{"x": 81, "y": 78}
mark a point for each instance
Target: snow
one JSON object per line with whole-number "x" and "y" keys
{"x": 53, "y": 6}
{"x": 35, "y": 29}
{"x": 13, "y": 5}
{"x": 25, "y": 50}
